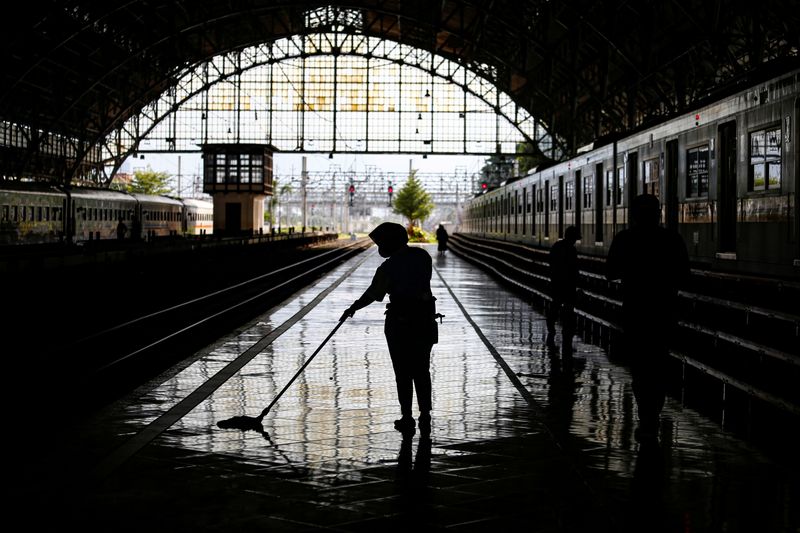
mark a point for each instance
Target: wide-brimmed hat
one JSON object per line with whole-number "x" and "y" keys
{"x": 389, "y": 235}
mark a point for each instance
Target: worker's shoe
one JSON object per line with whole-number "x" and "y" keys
{"x": 405, "y": 425}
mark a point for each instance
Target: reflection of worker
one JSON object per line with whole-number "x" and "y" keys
{"x": 563, "y": 284}
{"x": 652, "y": 263}
{"x": 410, "y": 326}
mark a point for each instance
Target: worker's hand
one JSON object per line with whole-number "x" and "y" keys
{"x": 348, "y": 313}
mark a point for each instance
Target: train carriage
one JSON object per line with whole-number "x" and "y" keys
{"x": 31, "y": 214}
{"x": 160, "y": 216}
{"x": 198, "y": 217}
{"x": 95, "y": 213}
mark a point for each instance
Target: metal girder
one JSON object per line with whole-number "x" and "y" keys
{"x": 80, "y": 69}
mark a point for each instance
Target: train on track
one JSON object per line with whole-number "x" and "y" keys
{"x": 36, "y": 214}
{"x": 726, "y": 174}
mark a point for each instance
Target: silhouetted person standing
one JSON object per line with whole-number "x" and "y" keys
{"x": 121, "y": 229}
{"x": 410, "y": 326}
{"x": 563, "y": 284}
{"x": 441, "y": 238}
{"x": 652, "y": 263}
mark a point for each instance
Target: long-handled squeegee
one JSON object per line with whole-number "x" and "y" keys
{"x": 254, "y": 423}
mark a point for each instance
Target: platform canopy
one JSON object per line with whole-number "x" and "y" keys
{"x": 75, "y": 72}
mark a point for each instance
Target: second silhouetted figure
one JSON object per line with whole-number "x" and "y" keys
{"x": 563, "y": 284}
{"x": 652, "y": 264}
{"x": 410, "y": 325}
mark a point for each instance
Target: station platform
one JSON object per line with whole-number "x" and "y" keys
{"x": 521, "y": 440}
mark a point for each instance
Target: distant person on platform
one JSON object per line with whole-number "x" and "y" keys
{"x": 653, "y": 264}
{"x": 441, "y": 238}
{"x": 563, "y": 286}
{"x": 122, "y": 229}
{"x": 410, "y": 325}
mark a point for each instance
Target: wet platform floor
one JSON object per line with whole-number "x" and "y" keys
{"x": 520, "y": 439}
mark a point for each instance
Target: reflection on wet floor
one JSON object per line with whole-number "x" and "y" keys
{"x": 329, "y": 456}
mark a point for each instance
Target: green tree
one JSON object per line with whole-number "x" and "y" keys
{"x": 529, "y": 156}
{"x": 413, "y": 202}
{"x": 149, "y": 182}
{"x": 274, "y": 201}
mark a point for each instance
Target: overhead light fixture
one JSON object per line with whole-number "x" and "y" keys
{"x": 419, "y": 116}
{"x": 330, "y": 155}
{"x": 427, "y": 93}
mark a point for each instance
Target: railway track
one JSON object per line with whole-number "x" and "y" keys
{"x": 737, "y": 352}
{"x": 101, "y": 363}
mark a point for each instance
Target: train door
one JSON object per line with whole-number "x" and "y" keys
{"x": 516, "y": 212}
{"x": 524, "y": 209}
{"x": 598, "y": 202}
{"x": 796, "y": 162}
{"x": 632, "y": 172}
{"x": 508, "y": 213}
{"x": 547, "y": 210}
{"x": 671, "y": 186}
{"x": 726, "y": 186}
{"x": 578, "y": 199}
{"x": 560, "y": 206}
{"x": 534, "y": 210}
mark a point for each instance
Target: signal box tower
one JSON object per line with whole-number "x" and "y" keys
{"x": 239, "y": 178}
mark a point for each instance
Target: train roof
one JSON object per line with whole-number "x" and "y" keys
{"x": 153, "y": 198}
{"x": 29, "y": 187}
{"x": 195, "y": 202}
{"x": 99, "y": 194}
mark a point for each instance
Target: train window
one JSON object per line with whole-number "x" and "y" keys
{"x": 697, "y": 171}
{"x": 765, "y": 160}
{"x": 620, "y": 185}
{"x": 38, "y": 213}
{"x": 220, "y": 174}
{"x": 5, "y": 212}
{"x": 47, "y": 213}
{"x": 14, "y": 213}
{"x": 569, "y": 195}
{"x": 588, "y": 191}
{"x": 30, "y": 213}
{"x": 609, "y": 186}
{"x": 554, "y": 198}
{"x": 651, "y": 175}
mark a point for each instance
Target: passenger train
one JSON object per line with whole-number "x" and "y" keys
{"x": 33, "y": 213}
{"x": 726, "y": 175}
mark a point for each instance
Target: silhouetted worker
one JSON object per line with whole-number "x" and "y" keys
{"x": 563, "y": 284}
{"x": 441, "y": 237}
{"x": 121, "y": 229}
{"x": 652, "y": 263}
{"x": 410, "y": 326}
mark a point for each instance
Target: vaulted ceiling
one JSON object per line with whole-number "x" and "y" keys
{"x": 80, "y": 68}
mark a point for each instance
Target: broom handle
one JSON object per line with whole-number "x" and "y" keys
{"x": 265, "y": 411}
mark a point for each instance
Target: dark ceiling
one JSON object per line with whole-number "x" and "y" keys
{"x": 586, "y": 68}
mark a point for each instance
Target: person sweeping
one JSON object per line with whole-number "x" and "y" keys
{"x": 410, "y": 326}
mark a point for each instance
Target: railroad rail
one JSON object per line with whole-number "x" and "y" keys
{"x": 749, "y": 343}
